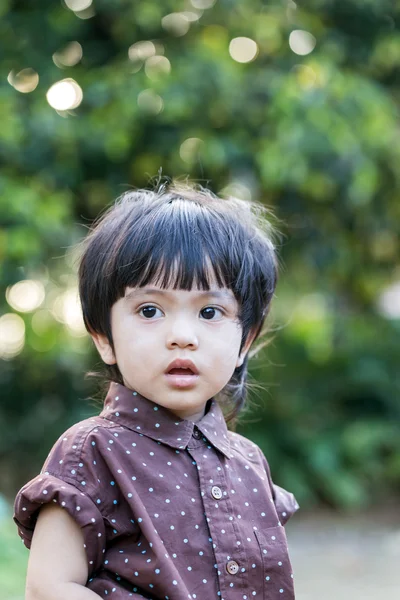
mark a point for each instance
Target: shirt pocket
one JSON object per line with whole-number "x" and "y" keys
{"x": 277, "y": 570}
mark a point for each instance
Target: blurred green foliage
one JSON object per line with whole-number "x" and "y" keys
{"x": 314, "y": 136}
{"x": 13, "y": 561}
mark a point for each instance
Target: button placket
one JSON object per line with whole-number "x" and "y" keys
{"x": 210, "y": 472}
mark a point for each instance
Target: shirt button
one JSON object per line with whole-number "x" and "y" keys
{"x": 197, "y": 434}
{"x": 216, "y": 492}
{"x": 232, "y": 567}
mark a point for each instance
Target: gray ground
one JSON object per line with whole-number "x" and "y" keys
{"x": 346, "y": 558}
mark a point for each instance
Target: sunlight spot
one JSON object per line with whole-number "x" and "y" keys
{"x": 176, "y": 23}
{"x": 68, "y": 56}
{"x": 67, "y": 310}
{"x": 78, "y": 5}
{"x": 243, "y": 49}
{"x": 301, "y": 42}
{"x": 389, "y": 302}
{"x": 12, "y": 335}
{"x": 150, "y": 102}
{"x": 26, "y": 295}
{"x": 156, "y": 66}
{"x": 189, "y": 149}
{"x": 65, "y": 95}
{"x": 202, "y": 4}
{"x": 24, "y": 81}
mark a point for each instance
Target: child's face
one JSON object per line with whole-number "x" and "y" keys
{"x": 152, "y": 327}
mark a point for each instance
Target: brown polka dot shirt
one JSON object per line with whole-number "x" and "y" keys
{"x": 169, "y": 509}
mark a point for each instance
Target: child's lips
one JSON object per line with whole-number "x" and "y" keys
{"x": 177, "y": 371}
{"x": 184, "y": 364}
{"x": 181, "y": 378}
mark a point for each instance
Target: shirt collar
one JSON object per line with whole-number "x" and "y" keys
{"x": 130, "y": 409}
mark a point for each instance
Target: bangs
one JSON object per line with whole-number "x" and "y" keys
{"x": 180, "y": 245}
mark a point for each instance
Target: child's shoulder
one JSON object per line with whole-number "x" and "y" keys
{"x": 247, "y": 448}
{"x": 78, "y": 441}
{"x": 78, "y": 433}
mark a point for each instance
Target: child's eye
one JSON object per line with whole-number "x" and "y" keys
{"x": 209, "y": 312}
{"x": 150, "y": 311}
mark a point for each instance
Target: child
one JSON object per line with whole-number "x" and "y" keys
{"x": 155, "y": 498}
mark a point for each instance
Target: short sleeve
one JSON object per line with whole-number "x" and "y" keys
{"x": 45, "y": 489}
{"x": 285, "y": 502}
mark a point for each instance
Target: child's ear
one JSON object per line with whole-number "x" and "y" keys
{"x": 246, "y": 348}
{"x": 103, "y": 346}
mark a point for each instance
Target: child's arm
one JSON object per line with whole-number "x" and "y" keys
{"x": 57, "y": 567}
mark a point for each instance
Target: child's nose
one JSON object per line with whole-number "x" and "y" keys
{"x": 182, "y": 334}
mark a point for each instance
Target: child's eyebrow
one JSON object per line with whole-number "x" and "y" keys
{"x": 218, "y": 294}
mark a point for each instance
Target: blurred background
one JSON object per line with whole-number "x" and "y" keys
{"x": 292, "y": 104}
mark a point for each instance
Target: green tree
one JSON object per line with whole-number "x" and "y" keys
{"x": 290, "y": 105}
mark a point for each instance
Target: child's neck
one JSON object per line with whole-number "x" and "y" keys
{"x": 193, "y": 417}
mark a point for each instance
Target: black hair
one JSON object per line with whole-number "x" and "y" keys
{"x": 180, "y": 235}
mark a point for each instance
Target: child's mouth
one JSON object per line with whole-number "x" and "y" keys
{"x": 178, "y": 377}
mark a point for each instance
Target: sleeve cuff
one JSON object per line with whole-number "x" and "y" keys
{"x": 45, "y": 489}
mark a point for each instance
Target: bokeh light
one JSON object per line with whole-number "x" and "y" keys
{"x": 150, "y": 102}
{"x": 243, "y": 49}
{"x": 67, "y": 310}
{"x": 202, "y": 4}
{"x": 191, "y": 15}
{"x": 389, "y": 302}
{"x": 141, "y": 50}
{"x": 26, "y": 295}
{"x": 12, "y": 335}
{"x": 237, "y": 189}
{"x": 88, "y": 13}
{"x": 156, "y": 66}
{"x": 65, "y": 95}
{"x": 68, "y": 56}
{"x": 189, "y": 149}
{"x": 176, "y": 23}
{"x": 302, "y": 42}
{"x": 24, "y": 81}
{"x": 78, "y": 5}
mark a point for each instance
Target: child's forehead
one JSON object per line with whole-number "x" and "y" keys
{"x": 215, "y": 292}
